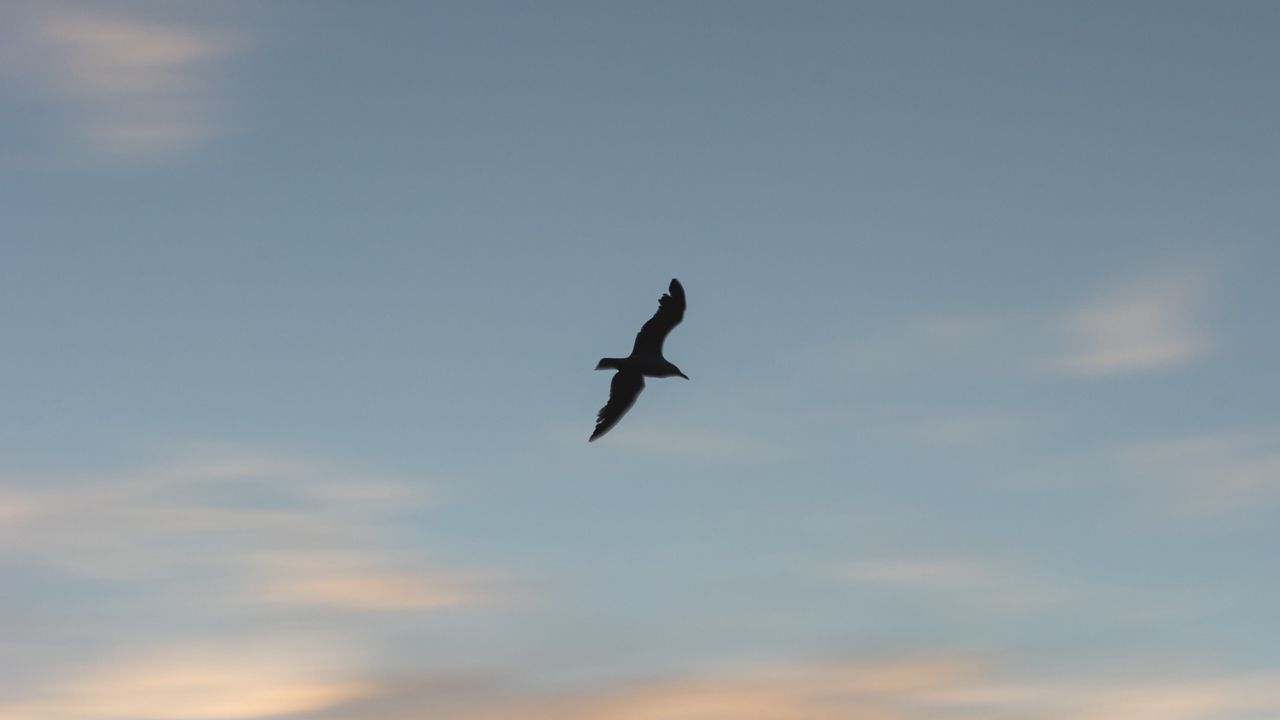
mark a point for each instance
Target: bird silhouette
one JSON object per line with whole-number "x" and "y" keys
{"x": 645, "y": 360}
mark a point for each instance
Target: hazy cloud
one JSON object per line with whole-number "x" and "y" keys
{"x": 257, "y": 682}
{"x": 192, "y": 682}
{"x": 275, "y": 530}
{"x": 348, "y": 580}
{"x": 799, "y": 692}
{"x": 1153, "y": 321}
{"x": 977, "y": 583}
{"x": 1214, "y": 472}
{"x": 914, "y": 689}
{"x": 133, "y": 86}
{"x": 265, "y": 573}
{"x": 1150, "y": 323}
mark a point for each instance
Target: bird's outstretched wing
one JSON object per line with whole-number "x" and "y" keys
{"x": 670, "y": 313}
{"x": 623, "y": 391}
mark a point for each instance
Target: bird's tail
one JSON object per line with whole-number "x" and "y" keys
{"x": 609, "y": 364}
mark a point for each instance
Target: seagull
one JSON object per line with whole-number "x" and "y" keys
{"x": 645, "y": 359}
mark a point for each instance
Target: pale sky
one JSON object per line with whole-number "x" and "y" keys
{"x": 301, "y": 302}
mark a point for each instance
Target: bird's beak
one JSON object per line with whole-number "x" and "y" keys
{"x": 686, "y": 377}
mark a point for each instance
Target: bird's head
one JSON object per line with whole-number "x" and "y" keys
{"x": 668, "y": 369}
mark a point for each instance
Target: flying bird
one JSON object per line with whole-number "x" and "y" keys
{"x": 645, "y": 360}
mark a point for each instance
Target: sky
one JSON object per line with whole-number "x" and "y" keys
{"x": 301, "y": 300}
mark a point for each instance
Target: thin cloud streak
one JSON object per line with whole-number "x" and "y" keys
{"x": 1212, "y": 473}
{"x": 977, "y": 583}
{"x": 349, "y": 580}
{"x": 278, "y": 531}
{"x": 1150, "y": 322}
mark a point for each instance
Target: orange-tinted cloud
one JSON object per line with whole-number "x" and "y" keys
{"x": 853, "y": 691}
{"x": 920, "y": 689}
{"x": 194, "y": 682}
{"x": 271, "y": 530}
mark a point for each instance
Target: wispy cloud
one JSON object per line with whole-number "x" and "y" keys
{"x": 276, "y": 530}
{"x": 260, "y": 683}
{"x": 1147, "y": 324}
{"x": 132, "y": 86}
{"x": 215, "y": 548}
{"x": 193, "y": 682}
{"x": 800, "y": 692}
{"x": 349, "y": 580}
{"x": 939, "y": 688}
{"x": 1212, "y": 473}
{"x": 977, "y": 583}
{"x": 1154, "y": 320}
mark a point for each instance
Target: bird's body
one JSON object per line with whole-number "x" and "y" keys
{"x": 645, "y": 360}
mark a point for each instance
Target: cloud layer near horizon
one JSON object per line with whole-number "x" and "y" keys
{"x": 257, "y": 683}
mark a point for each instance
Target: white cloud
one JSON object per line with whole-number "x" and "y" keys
{"x": 1148, "y": 324}
{"x": 134, "y": 87}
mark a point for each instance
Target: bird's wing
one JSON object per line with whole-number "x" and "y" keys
{"x": 623, "y": 391}
{"x": 670, "y": 313}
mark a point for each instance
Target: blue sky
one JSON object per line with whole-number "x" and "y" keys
{"x": 301, "y": 302}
